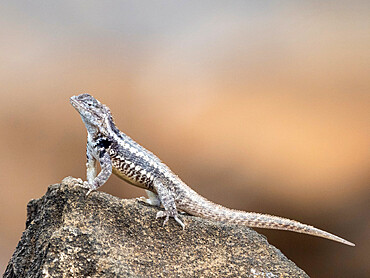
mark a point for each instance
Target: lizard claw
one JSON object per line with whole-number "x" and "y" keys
{"x": 144, "y": 200}
{"x": 89, "y": 191}
{"x": 87, "y": 185}
{"x": 179, "y": 221}
{"x": 167, "y": 214}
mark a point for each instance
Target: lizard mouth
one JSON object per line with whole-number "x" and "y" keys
{"x": 75, "y": 103}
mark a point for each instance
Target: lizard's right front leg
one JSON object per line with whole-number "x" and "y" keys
{"x": 91, "y": 166}
{"x": 93, "y": 181}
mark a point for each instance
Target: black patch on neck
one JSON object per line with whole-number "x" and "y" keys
{"x": 104, "y": 143}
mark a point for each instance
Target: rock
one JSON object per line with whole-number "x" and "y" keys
{"x": 70, "y": 235}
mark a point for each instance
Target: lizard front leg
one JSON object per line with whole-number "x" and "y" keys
{"x": 94, "y": 182}
{"x": 91, "y": 166}
{"x": 167, "y": 199}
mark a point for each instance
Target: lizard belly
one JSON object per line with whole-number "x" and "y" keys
{"x": 124, "y": 177}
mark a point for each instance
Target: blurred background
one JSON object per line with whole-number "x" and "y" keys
{"x": 258, "y": 106}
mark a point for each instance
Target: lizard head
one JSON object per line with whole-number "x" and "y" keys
{"x": 94, "y": 114}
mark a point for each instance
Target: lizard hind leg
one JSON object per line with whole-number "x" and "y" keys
{"x": 168, "y": 201}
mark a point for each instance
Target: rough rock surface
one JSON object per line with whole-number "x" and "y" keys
{"x": 70, "y": 235}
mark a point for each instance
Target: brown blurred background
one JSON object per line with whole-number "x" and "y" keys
{"x": 258, "y": 106}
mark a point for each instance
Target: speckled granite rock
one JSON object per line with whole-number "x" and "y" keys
{"x": 69, "y": 235}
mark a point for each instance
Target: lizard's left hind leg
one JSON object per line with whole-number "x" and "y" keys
{"x": 168, "y": 201}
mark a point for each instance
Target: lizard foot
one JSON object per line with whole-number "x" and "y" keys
{"x": 79, "y": 182}
{"x": 167, "y": 214}
{"x": 144, "y": 200}
{"x": 153, "y": 199}
{"x": 85, "y": 184}
{"x": 149, "y": 201}
{"x": 88, "y": 186}
{"x": 72, "y": 181}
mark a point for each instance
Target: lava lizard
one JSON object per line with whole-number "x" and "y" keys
{"x": 117, "y": 153}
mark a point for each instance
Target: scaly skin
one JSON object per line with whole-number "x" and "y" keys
{"x": 119, "y": 154}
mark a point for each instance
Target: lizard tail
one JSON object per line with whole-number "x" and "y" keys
{"x": 207, "y": 209}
